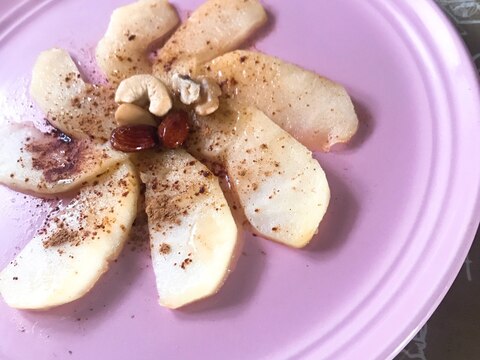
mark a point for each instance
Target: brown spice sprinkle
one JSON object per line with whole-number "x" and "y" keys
{"x": 91, "y": 112}
{"x": 172, "y": 196}
{"x": 165, "y": 249}
{"x": 205, "y": 173}
{"x": 185, "y": 263}
{"x": 83, "y": 210}
{"x": 202, "y": 190}
{"x": 61, "y": 237}
{"x": 163, "y": 209}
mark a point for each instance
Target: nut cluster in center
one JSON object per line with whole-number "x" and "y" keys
{"x": 145, "y": 116}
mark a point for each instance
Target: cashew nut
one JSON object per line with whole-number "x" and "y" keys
{"x": 209, "y": 97}
{"x": 142, "y": 89}
{"x": 130, "y": 114}
{"x": 188, "y": 89}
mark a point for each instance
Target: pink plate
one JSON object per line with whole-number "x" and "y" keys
{"x": 403, "y": 214}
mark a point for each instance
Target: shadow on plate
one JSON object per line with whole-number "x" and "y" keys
{"x": 240, "y": 285}
{"x": 343, "y": 210}
{"x": 340, "y": 218}
{"x": 365, "y": 128}
{"x": 104, "y": 297}
{"x": 366, "y": 125}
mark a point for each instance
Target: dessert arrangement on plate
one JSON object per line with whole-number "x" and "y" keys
{"x": 203, "y": 138}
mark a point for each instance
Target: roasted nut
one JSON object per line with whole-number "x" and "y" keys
{"x": 173, "y": 130}
{"x": 142, "y": 90}
{"x": 188, "y": 89}
{"x": 130, "y": 114}
{"x": 209, "y": 101}
{"x": 134, "y": 138}
{"x": 204, "y": 93}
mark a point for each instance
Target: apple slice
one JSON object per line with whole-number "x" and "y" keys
{"x": 74, "y": 247}
{"x": 282, "y": 189}
{"x": 193, "y": 236}
{"x": 316, "y": 111}
{"x": 78, "y": 109}
{"x": 122, "y": 52}
{"x": 49, "y": 163}
{"x": 214, "y": 28}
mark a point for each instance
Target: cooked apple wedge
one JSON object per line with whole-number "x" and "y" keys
{"x": 193, "y": 235}
{"x": 282, "y": 189}
{"x": 49, "y": 163}
{"x": 74, "y": 247}
{"x": 316, "y": 111}
{"x": 122, "y": 52}
{"x": 214, "y": 28}
{"x": 78, "y": 109}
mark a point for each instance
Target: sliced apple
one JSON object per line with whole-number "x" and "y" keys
{"x": 49, "y": 163}
{"x": 78, "y": 109}
{"x": 74, "y": 247}
{"x": 282, "y": 189}
{"x": 316, "y": 111}
{"x": 214, "y": 28}
{"x": 122, "y": 52}
{"x": 192, "y": 232}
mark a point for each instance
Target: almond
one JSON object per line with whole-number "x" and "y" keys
{"x": 132, "y": 138}
{"x": 173, "y": 130}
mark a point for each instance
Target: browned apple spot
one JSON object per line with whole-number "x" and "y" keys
{"x": 56, "y": 158}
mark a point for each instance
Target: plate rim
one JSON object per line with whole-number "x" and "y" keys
{"x": 469, "y": 231}
{"x": 470, "y": 223}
